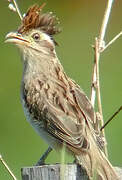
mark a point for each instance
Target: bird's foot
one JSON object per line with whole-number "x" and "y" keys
{"x": 43, "y": 157}
{"x": 75, "y": 161}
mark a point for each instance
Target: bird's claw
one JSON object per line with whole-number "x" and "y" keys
{"x": 43, "y": 157}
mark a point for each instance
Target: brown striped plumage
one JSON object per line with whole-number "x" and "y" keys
{"x": 55, "y": 105}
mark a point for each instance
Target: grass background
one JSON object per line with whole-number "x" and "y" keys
{"x": 80, "y": 21}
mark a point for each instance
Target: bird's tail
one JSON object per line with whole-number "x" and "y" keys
{"x": 96, "y": 163}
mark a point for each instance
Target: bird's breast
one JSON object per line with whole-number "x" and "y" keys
{"x": 38, "y": 123}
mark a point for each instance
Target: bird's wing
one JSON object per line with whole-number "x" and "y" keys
{"x": 85, "y": 104}
{"x": 67, "y": 120}
{"x": 65, "y": 128}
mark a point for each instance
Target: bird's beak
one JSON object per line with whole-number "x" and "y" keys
{"x": 16, "y": 38}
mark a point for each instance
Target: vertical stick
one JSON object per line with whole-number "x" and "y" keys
{"x": 17, "y": 9}
{"x": 95, "y": 79}
{"x": 105, "y": 21}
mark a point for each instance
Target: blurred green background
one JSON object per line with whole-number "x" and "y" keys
{"x": 80, "y": 22}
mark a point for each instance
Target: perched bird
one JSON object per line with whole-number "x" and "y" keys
{"x": 55, "y": 105}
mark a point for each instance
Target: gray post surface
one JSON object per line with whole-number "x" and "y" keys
{"x": 58, "y": 172}
{"x": 54, "y": 172}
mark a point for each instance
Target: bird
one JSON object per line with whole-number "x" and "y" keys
{"x": 54, "y": 104}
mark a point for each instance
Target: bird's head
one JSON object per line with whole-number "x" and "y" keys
{"x": 36, "y": 31}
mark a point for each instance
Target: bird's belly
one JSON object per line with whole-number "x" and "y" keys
{"x": 39, "y": 128}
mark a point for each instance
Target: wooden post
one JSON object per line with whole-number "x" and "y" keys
{"x": 54, "y": 172}
{"x": 58, "y": 172}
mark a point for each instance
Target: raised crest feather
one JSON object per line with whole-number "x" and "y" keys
{"x": 34, "y": 19}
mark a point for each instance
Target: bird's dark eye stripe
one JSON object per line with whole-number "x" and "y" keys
{"x": 36, "y": 36}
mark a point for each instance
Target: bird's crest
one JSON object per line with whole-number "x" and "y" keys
{"x": 34, "y": 18}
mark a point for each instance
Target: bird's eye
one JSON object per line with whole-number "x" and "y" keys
{"x": 36, "y": 36}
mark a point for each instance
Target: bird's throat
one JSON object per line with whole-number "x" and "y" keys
{"x": 39, "y": 66}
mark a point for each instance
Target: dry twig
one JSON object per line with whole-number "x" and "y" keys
{"x": 95, "y": 78}
{"x": 112, "y": 41}
{"x": 14, "y": 7}
{"x": 8, "y": 169}
{"x": 110, "y": 119}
